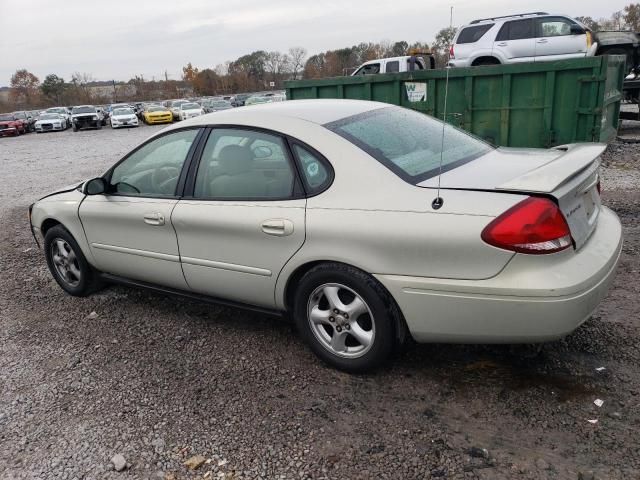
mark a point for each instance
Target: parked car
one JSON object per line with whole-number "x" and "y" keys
{"x": 190, "y": 110}
{"x": 210, "y": 106}
{"x": 86, "y": 116}
{"x": 157, "y": 114}
{"x": 27, "y": 118}
{"x": 61, "y": 111}
{"x": 407, "y": 63}
{"x": 12, "y": 125}
{"x": 174, "y": 106}
{"x": 272, "y": 208}
{"x": 123, "y": 117}
{"x": 525, "y": 37}
{"x": 239, "y": 99}
{"x": 50, "y": 122}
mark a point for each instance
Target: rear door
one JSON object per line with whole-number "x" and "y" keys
{"x": 242, "y": 218}
{"x": 515, "y": 41}
{"x": 555, "y": 41}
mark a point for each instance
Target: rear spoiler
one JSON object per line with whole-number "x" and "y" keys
{"x": 550, "y": 176}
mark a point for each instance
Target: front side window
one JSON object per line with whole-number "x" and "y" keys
{"x": 554, "y": 27}
{"x": 473, "y": 34}
{"x": 244, "y": 165}
{"x": 154, "y": 169}
{"x": 516, "y": 30}
{"x": 409, "y": 143}
{"x": 370, "y": 69}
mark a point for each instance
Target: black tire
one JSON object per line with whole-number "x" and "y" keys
{"x": 99, "y": 126}
{"x": 383, "y": 318}
{"x": 88, "y": 282}
{"x": 75, "y": 127}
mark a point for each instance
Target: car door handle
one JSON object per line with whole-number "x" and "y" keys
{"x": 542, "y": 40}
{"x": 155, "y": 219}
{"x": 278, "y": 227}
{"x": 503, "y": 44}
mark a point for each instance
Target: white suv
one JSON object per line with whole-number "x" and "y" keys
{"x": 527, "y": 37}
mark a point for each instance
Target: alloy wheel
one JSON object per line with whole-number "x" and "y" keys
{"x": 65, "y": 262}
{"x": 341, "y": 320}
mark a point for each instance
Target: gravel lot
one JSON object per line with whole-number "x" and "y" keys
{"x": 158, "y": 380}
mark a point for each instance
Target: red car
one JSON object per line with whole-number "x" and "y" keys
{"x": 11, "y": 125}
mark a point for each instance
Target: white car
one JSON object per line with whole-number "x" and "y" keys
{"x": 190, "y": 110}
{"x": 123, "y": 117}
{"x": 405, "y": 63}
{"x": 48, "y": 122}
{"x": 174, "y": 107}
{"x": 527, "y": 37}
{"x": 61, "y": 111}
{"x": 329, "y": 210}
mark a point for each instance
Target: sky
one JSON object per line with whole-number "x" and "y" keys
{"x": 118, "y": 39}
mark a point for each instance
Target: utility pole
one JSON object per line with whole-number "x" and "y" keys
{"x": 115, "y": 92}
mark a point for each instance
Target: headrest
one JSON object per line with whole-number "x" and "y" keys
{"x": 235, "y": 159}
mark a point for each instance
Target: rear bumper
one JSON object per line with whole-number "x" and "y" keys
{"x": 8, "y": 131}
{"x": 534, "y": 299}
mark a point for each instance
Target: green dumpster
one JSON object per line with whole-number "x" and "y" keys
{"x": 521, "y": 105}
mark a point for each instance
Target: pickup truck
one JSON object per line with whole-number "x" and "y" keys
{"x": 407, "y": 63}
{"x": 86, "y": 116}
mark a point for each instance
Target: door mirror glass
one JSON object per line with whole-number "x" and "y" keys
{"x": 95, "y": 186}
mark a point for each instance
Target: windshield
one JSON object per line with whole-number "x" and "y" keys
{"x": 156, "y": 109}
{"x": 83, "y": 110}
{"x": 56, "y": 110}
{"x": 123, "y": 111}
{"x": 49, "y": 116}
{"x": 190, "y": 106}
{"x": 20, "y": 115}
{"x": 220, "y": 104}
{"x": 7, "y": 117}
{"x": 409, "y": 143}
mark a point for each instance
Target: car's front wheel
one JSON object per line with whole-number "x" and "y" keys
{"x": 67, "y": 263}
{"x": 346, "y": 317}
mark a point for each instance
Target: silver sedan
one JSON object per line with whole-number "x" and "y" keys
{"x": 369, "y": 224}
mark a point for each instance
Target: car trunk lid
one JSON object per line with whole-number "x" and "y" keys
{"x": 567, "y": 173}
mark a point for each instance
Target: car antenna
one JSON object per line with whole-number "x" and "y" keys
{"x": 439, "y": 201}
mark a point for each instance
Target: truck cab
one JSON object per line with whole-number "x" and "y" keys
{"x": 407, "y": 63}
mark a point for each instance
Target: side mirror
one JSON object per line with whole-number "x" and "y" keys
{"x": 95, "y": 186}
{"x": 576, "y": 29}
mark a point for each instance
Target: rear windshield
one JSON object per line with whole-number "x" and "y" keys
{"x": 473, "y": 34}
{"x": 409, "y": 143}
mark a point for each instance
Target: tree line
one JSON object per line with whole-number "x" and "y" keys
{"x": 258, "y": 70}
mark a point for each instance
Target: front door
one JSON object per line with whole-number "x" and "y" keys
{"x": 555, "y": 41}
{"x": 129, "y": 229}
{"x": 245, "y": 218}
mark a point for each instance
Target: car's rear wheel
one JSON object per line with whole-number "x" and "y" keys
{"x": 345, "y": 316}
{"x": 67, "y": 263}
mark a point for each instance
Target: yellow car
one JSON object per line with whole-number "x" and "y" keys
{"x": 157, "y": 114}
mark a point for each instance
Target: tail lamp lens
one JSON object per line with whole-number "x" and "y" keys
{"x": 533, "y": 226}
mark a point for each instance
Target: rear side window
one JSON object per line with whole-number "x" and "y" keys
{"x": 409, "y": 143}
{"x": 315, "y": 172}
{"x": 370, "y": 69}
{"x": 393, "y": 67}
{"x": 473, "y": 34}
{"x": 516, "y": 30}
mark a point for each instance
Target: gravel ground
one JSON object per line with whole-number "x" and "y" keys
{"x": 150, "y": 381}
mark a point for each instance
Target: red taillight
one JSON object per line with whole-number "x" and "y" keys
{"x": 451, "y": 54}
{"x": 535, "y": 225}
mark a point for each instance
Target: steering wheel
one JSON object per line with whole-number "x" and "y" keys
{"x": 163, "y": 178}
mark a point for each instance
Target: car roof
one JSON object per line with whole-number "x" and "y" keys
{"x": 318, "y": 111}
